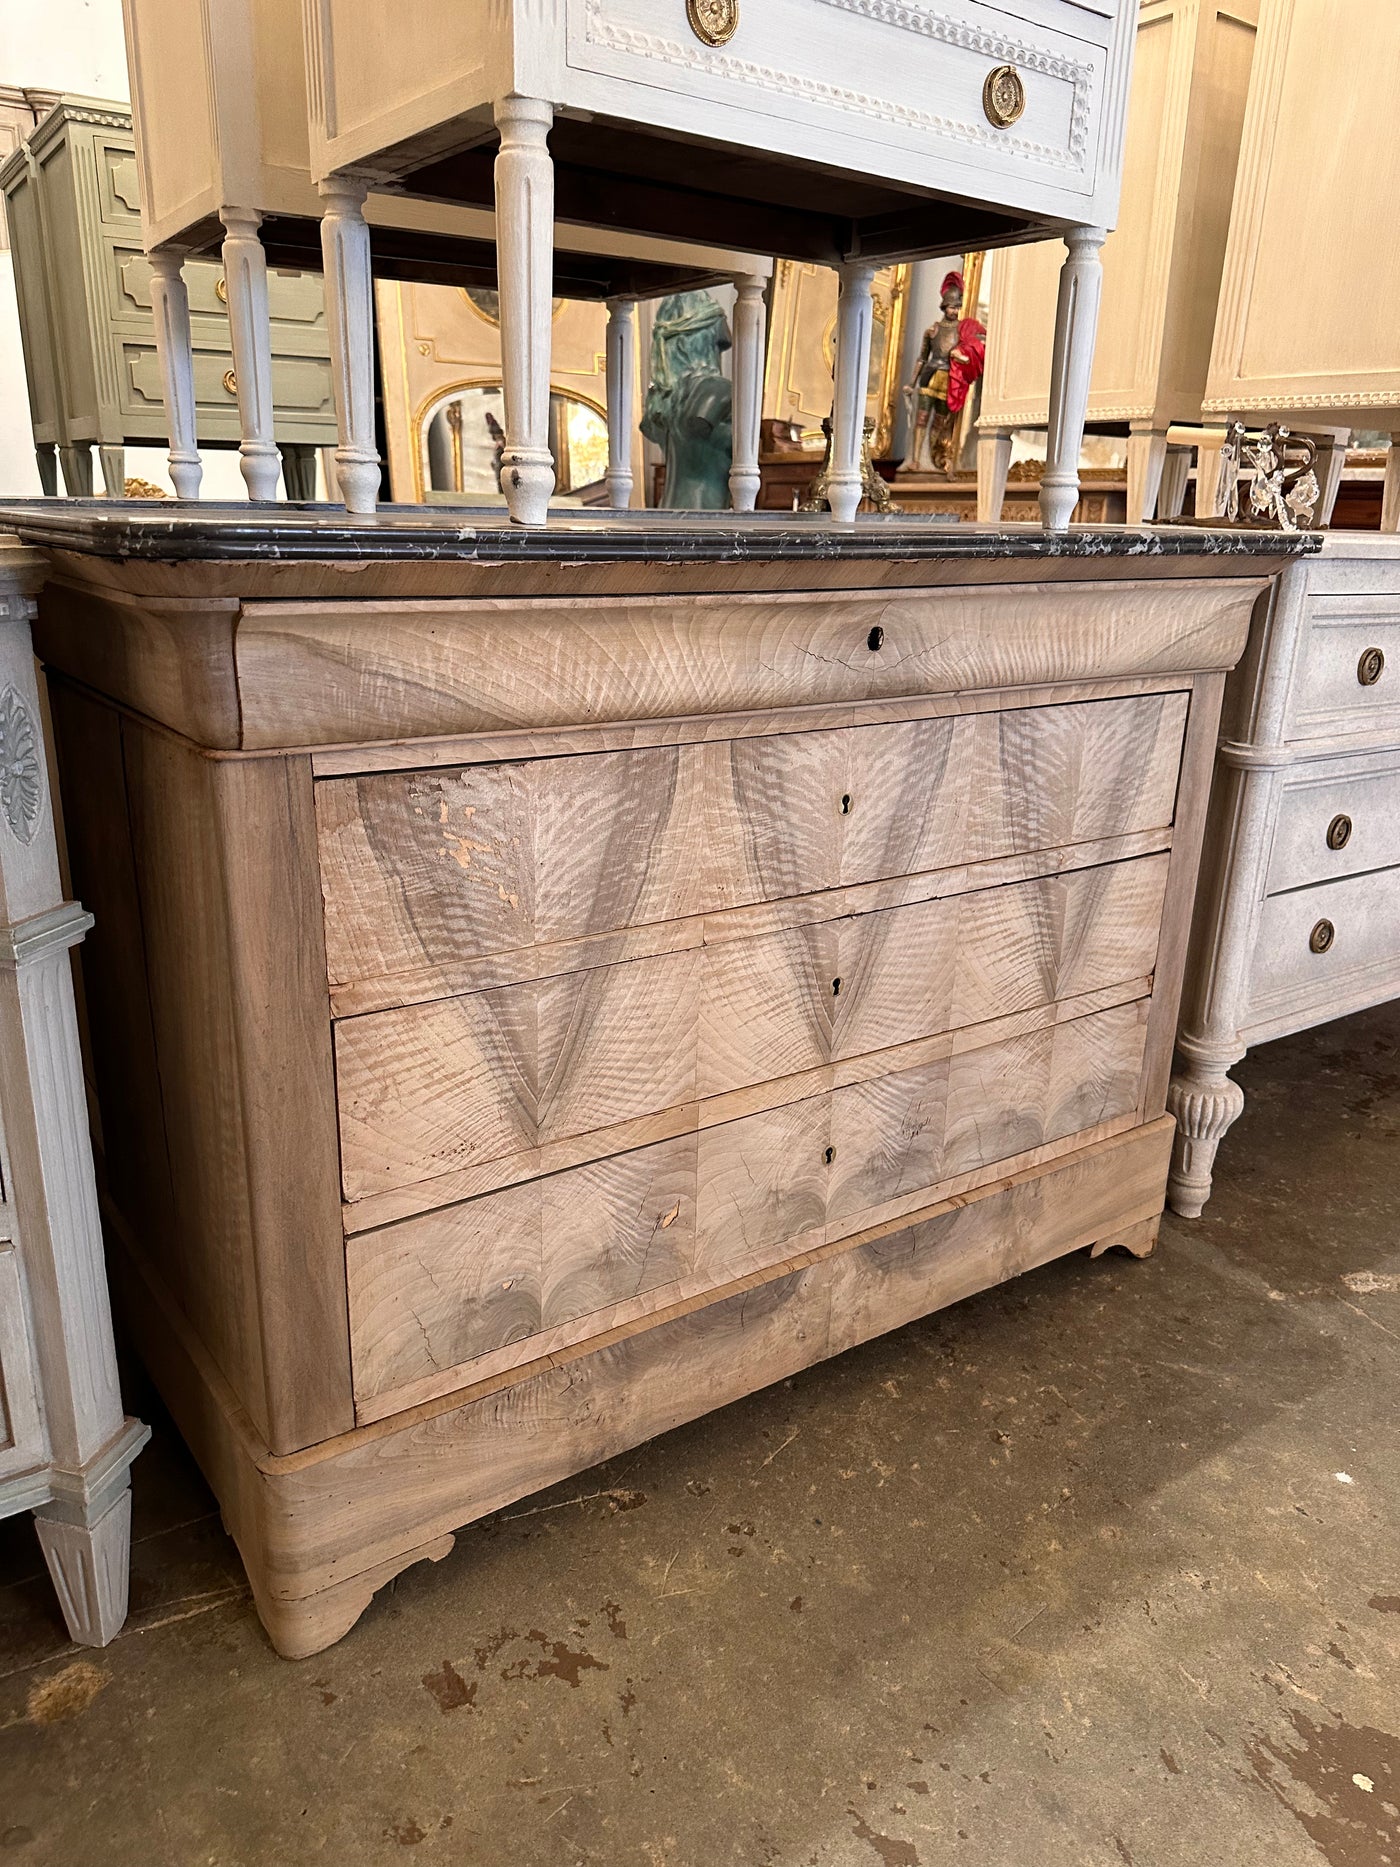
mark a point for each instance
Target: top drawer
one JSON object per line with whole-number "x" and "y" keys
{"x": 903, "y": 73}
{"x": 1349, "y": 678}
{"x": 425, "y": 871}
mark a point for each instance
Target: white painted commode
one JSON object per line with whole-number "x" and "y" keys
{"x": 1298, "y": 914}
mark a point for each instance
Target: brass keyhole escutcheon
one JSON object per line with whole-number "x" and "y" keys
{"x": 1371, "y": 666}
{"x": 1322, "y": 936}
{"x": 1003, "y": 97}
{"x": 231, "y": 382}
{"x": 221, "y": 289}
{"x": 1339, "y": 832}
{"x": 714, "y": 21}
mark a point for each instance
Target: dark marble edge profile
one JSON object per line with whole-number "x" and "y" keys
{"x": 176, "y": 533}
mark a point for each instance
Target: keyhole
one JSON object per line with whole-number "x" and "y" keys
{"x": 846, "y": 804}
{"x": 829, "y": 1155}
{"x": 875, "y": 639}
{"x": 836, "y": 988}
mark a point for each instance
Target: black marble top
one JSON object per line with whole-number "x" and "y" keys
{"x": 180, "y": 532}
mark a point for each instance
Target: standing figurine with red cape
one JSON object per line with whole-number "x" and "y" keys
{"x": 951, "y": 359}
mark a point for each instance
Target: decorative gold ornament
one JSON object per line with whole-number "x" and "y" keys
{"x": 714, "y": 21}
{"x": 221, "y": 289}
{"x": 1003, "y": 96}
{"x": 231, "y": 382}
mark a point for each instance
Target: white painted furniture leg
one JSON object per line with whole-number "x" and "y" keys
{"x": 1390, "y": 507}
{"x": 1206, "y": 1103}
{"x": 1209, "y": 504}
{"x": 245, "y": 280}
{"x": 750, "y": 328}
{"x": 993, "y": 465}
{"x": 350, "y": 318}
{"x": 79, "y": 1491}
{"x": 525, "y": 272}
{"x": 175, "y": 350}
{"x": 1147, "y": 457}
{"x": 1329, "y": 474}
{"x": 1076, "y": 327}
{"x": 113, "y": 461}
{"x": 622, "y": 395}
{"x": 854, "y": 325}
{"x": 1176, "y": 473}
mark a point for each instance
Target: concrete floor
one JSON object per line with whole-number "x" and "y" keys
{"x": 1102, "y": 1568}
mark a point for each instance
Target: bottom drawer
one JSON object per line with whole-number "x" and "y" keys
{"x": 461, "y": 1293}
{"x": 1314, "y": 937}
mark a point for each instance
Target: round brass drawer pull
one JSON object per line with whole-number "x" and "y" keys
{"x": 714, "y": 21}
{"x": 1339, "y": 832}
{"x": 221, "y": 289}
{"x": 231, "y": 382}
{"x": 1322, "y": 936}
{"x": 1371, "y": 666}
{"x": 1003, "y": 97}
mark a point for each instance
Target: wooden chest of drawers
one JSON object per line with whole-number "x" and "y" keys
{"x": 1299, "y": 912}
{"x": 535, "y": 1002}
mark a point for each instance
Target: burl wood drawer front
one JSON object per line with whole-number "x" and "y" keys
{"x": 1316, "y": 935}
{"x": 424, "y": 871}
{"x": 1350, "y": 675}
{"x": 904, "y": 74}
{"x": 433, "y": 1089}
{"x": 506, "y": 1277}
{"x": 1341, "y": 820}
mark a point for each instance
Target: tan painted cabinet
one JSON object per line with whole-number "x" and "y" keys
{"x": 1162, "y": 265}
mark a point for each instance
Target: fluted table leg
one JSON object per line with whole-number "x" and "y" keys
{"x": 525, "y": 272}
{"x": 854, "y": 320}
{"x": 350, "y": 316}
{"x": 1076, "y": 327}
{"x": 750, "y": 327}
{"x": 175, "y": 349}
{"x": 245, "y": 280}
{"x": 622, "y": 413}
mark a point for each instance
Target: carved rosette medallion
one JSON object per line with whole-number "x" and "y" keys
{"x": 21, "y": 773}
{"x": 1003, "y": 96}
{"x": 714, "y": 21}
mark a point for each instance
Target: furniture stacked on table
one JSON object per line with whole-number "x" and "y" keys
{"x": 1162, "y": 265}
{"x": 234, "y": 177}
{"x": 851, "y": 132}
{"x": 1298, "y": 917}
{"x": 552, "y": 983}
{"x": 87, "y": 316}
{"x": 65, "y": 1445}
{"x": 1314, "y": 202}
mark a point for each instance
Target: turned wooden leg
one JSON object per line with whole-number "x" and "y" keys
{"x": 993, "y": 465}
{"x": 1147, "y": 456}
{"x": 310, "y": 1623}
{"x": 525, "y": 264}
{"x": 622, "y": 396}
{"x": 1076, "y": 327}
{"x": 1176, "y": 473}
{"x": 1330, "y": 462}
{"x": 76, "y": 462}
{"x": 1390, "y": 508}
{"x": 350, "y": 317}
{"x": 245, "y": 281}
{"x": 1140, "y": 1239}
{"x": 175, "y": 351}
{"x": 90, "y": 1564}
{"x": 854, "y": 324}
{"x": 1205, "y": 1103}
{"x": 750, "y": 325}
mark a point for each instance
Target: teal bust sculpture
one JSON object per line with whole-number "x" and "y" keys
{"x": 690, "y": 404}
